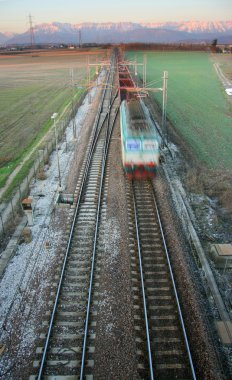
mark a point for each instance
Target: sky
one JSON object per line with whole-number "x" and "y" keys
{"x": 14, "y": 13}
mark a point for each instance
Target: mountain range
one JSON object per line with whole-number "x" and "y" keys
{"x": 166, "y": 32}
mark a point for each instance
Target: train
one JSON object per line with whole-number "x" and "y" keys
{"x": 139, "y": 141}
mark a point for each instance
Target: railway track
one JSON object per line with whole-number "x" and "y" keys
{"x": 162, "y": 346}
{"x": 67, "y": 351}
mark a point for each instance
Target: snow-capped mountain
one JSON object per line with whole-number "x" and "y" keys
{"x": 4, "y": 37}
{"x": 194, "y": 26}
{"x": 57, "y": 32}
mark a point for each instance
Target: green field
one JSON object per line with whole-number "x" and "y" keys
{"x": 198, "y": 106}
{"x": 32, "y": 88}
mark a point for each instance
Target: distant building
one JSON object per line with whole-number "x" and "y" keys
{"x": 224, "y": 48}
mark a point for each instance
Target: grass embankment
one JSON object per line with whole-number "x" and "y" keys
{"x": 198, "y": 106}
{"x": 28, "y": 164}
{"x": 32, "y": 89}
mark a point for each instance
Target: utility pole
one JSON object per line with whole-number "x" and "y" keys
{"x": 58, "y": 161}
{"x": 32, "y": 36}
{"x": 144, "y": 71}
{"x": 80, "y": 39}
{"x": 88, "y": 70}
{"x": 165, "y": 99}
{"x": 89, "y": 79}
{"x": 136, "y": 72}
{"x": 73, "y": 111}
{"x": 96, "y": 70}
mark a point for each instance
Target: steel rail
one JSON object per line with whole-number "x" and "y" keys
{"x": 93, "y": 144}
{"x": 175, "y": 289}
{"x": 106, "y": 147}
{"x": 142, "y": 284}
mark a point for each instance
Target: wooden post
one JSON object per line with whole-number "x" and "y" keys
{"x": 34, "y": 170}
{"x": 20, "y": 194}
{"x": 27, "y": 183}
{"x": 12, "y": 209}
{"x": 3, "y": 229}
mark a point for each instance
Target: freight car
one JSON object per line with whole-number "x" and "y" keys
{"x": 139, "y": 139}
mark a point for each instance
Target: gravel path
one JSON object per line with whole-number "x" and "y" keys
{"x": 200, "y": 326}
{"x": 115, "y": 344}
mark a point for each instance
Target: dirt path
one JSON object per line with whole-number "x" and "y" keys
{"x": 225, "y": 81}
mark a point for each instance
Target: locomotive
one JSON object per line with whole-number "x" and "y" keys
{"x": 139, "y": 141}
{"x": 139, "y": 138}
